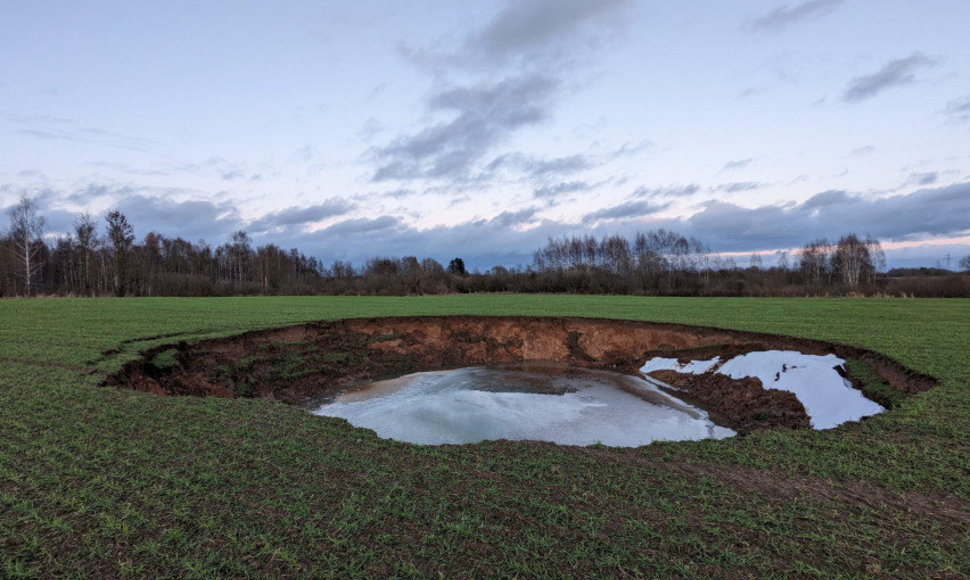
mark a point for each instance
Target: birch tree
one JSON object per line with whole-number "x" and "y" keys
{"x": 26, "y": 229}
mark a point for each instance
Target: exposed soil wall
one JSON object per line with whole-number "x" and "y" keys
{"x": 313, "y": 362}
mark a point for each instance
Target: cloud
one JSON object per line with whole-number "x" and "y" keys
{"x": 510, "y": 219}
{"x": 191, "y": 220}
{"x": 510, "y": 237}
{"x": 298, "y": 216}
{"x": 737, "y": 164}
{"x": 928, "y": 178}
{"x": 485, "y": 115}
{"x": 513, "y": 71}
{"x": 784, "y": 16}
{"x": 959, "y": 109}
{"x": 862, "y": 151}
{"x": 739, "y": 186}
{"x": 895, "y": 73}
{"x": 64, "y": 129}
{"x": 668, "y": 191}
{"x": 529, "y": 29}
{"x": 628, "y": 210}
{"x": 550, "y": 191}
{"x": 926, "y": 212}
{"x": 366, "y": 226}
{"x": 538, "y": 168}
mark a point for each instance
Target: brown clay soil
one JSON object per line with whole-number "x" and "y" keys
{"x": 315, "y": 362}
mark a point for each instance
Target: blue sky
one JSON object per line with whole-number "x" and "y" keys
{"x": 445, "y": 128}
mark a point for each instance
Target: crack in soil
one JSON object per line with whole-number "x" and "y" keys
{"x": 315, "y": 362}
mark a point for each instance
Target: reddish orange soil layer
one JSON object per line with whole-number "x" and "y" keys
{"x": 313, "y": 362}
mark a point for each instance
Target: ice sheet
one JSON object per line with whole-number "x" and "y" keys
{"x": 694, "y": 367}
{"x": 828, "y": 398}
{"x": 470, "y": 405}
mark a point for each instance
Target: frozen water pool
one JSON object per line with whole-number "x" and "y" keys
{"x": 565, "y": 405}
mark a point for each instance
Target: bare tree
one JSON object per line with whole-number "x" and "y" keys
{"x": 26, "y": 229}
{"x": 122, "y": 238}
{"x": 755, "y": 262}
{"x": 85, "y": 230}
{"x": 856, "y": 261}
{"x": 814, "y": 261}
{"x": 965, "y": 262}
{"x": 240, "y": 250}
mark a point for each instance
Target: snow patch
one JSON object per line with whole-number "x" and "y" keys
{"x": 694, "y": 367}
{"x": 828, "y": 398}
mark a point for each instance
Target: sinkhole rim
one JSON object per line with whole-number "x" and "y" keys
{"x": 361, "y": 349}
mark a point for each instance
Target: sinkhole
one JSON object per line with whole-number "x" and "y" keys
{"x": 573, "y": 381}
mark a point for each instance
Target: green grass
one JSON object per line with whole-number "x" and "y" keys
{"x": 97, "y": 482}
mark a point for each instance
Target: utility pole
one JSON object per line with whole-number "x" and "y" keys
{"x": 948, "y": 259}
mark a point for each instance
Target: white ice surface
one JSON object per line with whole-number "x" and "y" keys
{"x": 449, "y": 407}
{"x": 829, "y": 399}
{"x": 694, "y": 367}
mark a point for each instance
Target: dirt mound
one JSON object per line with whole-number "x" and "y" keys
{"x": 315, "y": 362}
{"x": 741, "y": 404}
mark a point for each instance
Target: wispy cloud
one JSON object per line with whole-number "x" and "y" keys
{"x": 530, "y": 29}
{"x": 927, "y": 178}
{"x": 737, "y": 164}
{"x": 959, "y": 109}
{"x": 670, "y": 191}
{"x": 300, "y": 216}
{"x": 512, "y": 73}
{"x": 562, "y": 188}
{"x": 628, "y": 210}
{"x": 65, "y": 129}
{"x": 895, "y": 73}
{"x": 785, "y": 16}
{"x": 486, "y": 114}
{"x": 738, "y": 186}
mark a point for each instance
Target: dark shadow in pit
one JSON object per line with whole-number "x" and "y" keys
{"x": 317, "y": 361}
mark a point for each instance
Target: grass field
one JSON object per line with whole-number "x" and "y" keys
{"x": 97, "y": 482}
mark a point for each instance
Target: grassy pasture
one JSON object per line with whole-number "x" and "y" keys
{"x": 96, "y": 482}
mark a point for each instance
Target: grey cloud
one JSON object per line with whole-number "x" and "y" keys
{"x": 723, "y": 226}
{"x": 536, "y": 167}
{"x": 398, "y": 193}
{"x": 532, "y": 42}
{"x": 93, "y": 191}
{"x": 628, "y": 210}
{"x": 193, "y": 219}
{"x": 928, "y": 178}
{"x": 358, "y": 226}
{"x": 509, "y": 219}
{"x": 934, "y": 212}
{"x": 737, "y": 164}
{"x": 894, "y": 73}
{"x": 526, "y": 27}
{"x": 959, "y": 109}
{"x": 153, "y": 209}
{"x": 784, "y": 16}
{"x": 631, "y": 149}
{"x": 558, "y": 189}
{"x": 825, "y": 199}
{"x": 738, "y": 186}
{"x": 669, "y": 191}
{"x": 296, "y": 216}
{"x": 487, "y": 114}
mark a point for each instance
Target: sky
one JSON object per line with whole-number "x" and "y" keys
{"x": 446, "y": 128}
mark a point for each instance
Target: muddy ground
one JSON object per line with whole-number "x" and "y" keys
{"x": 315, "y": 362}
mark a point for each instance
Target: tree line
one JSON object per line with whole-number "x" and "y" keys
{"x": 103, "y": 258}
